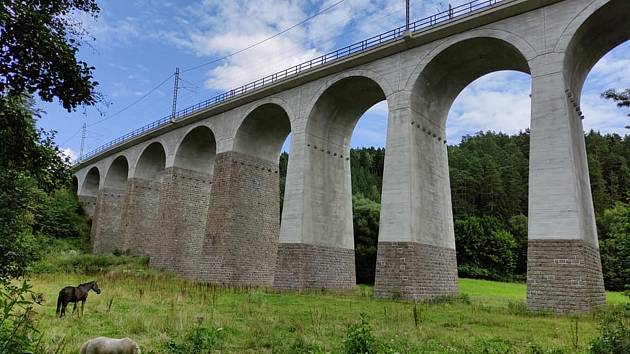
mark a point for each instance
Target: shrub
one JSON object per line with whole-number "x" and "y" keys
{"x": 615, "y": 246}
{"x": 17, "y": 329}
{"x": 18, "y": 199}
{"x": 300, "y": 345}
{"x": 74, "y": 262}
{"x": 61, "y": 216}
{"x": 614, "y": 332}
{"x": 517, "y": 226}
{"x": 359, "y": 338}
{"x": 198, "y": 340}
{"x": 493, "y": 346}
{"x": 365, "y": 218}
{"x": 484, "y": 248}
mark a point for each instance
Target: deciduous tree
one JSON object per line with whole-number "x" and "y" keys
{"x": 39, "y": 40}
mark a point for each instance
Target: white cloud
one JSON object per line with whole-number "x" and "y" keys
{"x": 612, "y": 71}
{"x": 68, "y": 152}
{"x": 216, "y": 28}
{"x": 122, "y": 89}
{"x": 602, "y": 115}
{"x": 107, "y": 32}
{"x": 259, "y": 62}
{"x": 498, "y": 101}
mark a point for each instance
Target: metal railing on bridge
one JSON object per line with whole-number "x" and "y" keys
{"x": 359, "y": 47}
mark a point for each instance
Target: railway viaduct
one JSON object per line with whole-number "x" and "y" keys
{"x": 199, "y": 192}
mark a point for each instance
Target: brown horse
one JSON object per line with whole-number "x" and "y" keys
{"x": 75, "y": 294}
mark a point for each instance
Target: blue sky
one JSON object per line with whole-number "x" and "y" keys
{"x": 138, "y": 44}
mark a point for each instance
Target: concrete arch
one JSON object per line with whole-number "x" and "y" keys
{"x": 337, "y": 109}
{"x": 151, "y": 162}
{"x": 525, "y": 48}
{"x": 594, "y": 32}
{"x": 448, "y": 71}
{"x": 263, "y": 131}
{"x": 379, "y": 79}
{"x": 91, "y": 182}
{"x": 196, "y": 151}
{"x": 286, "y": 106}
{"x": 117, "y": 174}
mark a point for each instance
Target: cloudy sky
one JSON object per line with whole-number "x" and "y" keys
{"x": 138, "y": 44}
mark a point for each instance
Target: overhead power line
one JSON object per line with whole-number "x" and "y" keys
{"x": 264, "y": 40}
{"x": 133, "y": 103}
{"x": 71, "y": 137}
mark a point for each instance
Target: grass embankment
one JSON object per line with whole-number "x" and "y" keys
{"x": 154, "y": 307}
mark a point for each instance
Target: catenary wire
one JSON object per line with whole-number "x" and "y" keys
{"x": 264, "y": 40}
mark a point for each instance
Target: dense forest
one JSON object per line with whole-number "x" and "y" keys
{"x": 489, "y": 189}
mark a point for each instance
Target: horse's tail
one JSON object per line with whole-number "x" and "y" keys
{"x": 59, "y": 304}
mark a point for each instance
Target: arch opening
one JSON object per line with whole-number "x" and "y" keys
{"x": 488, "y": 158}
{"x": 454, "y": 68}
{"x": 263, "y": 132}
{"x": 605, "y": 130}
{"x": 151, "y": 163}
{"x": 339, "y": 108}
{"x": 367, "y": 161}
{"x": 197, "y": 151}
{"x": 598, "y": 59}
{"x": 348, "y": 181}
{"x": 602, "y": 31}
{"x": 91, "y": 183}
{"x": 116, "y": 178}
{"x": 475, "y": 95}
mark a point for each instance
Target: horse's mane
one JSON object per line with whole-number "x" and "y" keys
{"x": 88, "y": 283}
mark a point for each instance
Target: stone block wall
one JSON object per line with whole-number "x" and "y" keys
{"x": 310, "y": 267}
{"x": 243, "y": 224}
{"x": 88, "y": 203}
{"x": 184, "y": 200}
{"x": 106, "y": 233}
{"x": 140, "y": 219}
{"x": 411, "y": 270}
{"x": 564, "y": 276}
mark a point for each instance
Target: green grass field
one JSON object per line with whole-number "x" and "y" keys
{"x": 154, "y": 307}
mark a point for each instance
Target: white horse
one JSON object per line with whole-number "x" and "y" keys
{"x": 104, "y": 345}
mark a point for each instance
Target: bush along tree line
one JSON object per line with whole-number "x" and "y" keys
{"x": 40, "y": 40}
{"x": 37, "y": 207}
{"x": 489, "y": 190}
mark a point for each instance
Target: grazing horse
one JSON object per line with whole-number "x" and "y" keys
{"x": 75, "y": 294}
{"x": 104, "y": 345}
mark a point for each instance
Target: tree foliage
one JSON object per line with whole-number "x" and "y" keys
{"x": 31, "y": 166}
{"x": 39, "y": 40}
{"x": 365, "y": 216}
{"x": 621, "y": 97}
{"x": 18, "y": 333}
{"x": 485, "y": 249}
{"x": 614, "y": 246}
{"x": 59, "y": 215}
{"x": 489, "y": 175}
{"x": 367, "y": 165}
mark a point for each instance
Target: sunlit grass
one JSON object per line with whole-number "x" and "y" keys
{"x": 151, "y": 307}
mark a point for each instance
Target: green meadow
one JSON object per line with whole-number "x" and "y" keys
{"x": 162, "y": 311}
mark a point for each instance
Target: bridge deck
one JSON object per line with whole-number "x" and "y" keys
{"x": 443, "y": 24}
